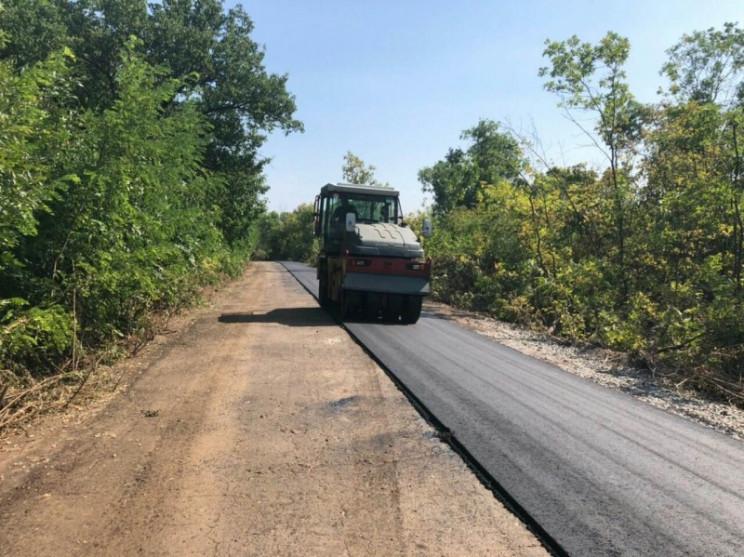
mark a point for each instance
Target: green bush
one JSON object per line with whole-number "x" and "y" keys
{"x": 33, "y": 338}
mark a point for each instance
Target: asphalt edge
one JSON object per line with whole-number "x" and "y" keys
{"x": 448, "y": 437}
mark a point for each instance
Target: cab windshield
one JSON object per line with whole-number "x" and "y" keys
{"x": 369, "y": 209}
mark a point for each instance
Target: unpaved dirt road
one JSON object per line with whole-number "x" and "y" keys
{"x": 259, "y": 428}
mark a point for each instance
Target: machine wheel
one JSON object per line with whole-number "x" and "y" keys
{"x": 371, "y": 306}
{"x": 411, "y": 310}
{"x": 391, "y": 308}
{"x": 323, "y": 298}
{"x": 343, "y": 309}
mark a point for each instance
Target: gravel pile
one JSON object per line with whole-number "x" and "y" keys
{"x": 604, "y": 367}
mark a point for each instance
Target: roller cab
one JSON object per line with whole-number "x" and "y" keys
{"x": 371, "y": 265}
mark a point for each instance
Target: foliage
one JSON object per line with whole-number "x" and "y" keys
{"x": 356, "y": 171}
{"x": 28, "y": 133}
{"x": 212, "y": 53}
{"x": 288, "y": 236}
{"x": 130, "y": 172}
{"x": 34, "y": 31}
{"x": 457, "y": 181}
{"x": 33, "y": 338}
{"x": 708, "y": 67}
{"x": 574, "y": 75}
{"x": 591, "y": 78}
{"x": 32, "y": 128}
{"x": 485, "y": 245}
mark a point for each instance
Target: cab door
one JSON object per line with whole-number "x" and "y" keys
{"x": 317, "y": 216}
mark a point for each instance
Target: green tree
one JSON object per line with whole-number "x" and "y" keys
{"x": 130, "y": 172}
{"x": 356, "y": 171}
{"x": 452, "y": 181}
{"x": 706, "y": 71}
{"x": 211, "y": 51}
{"x": 591, "y": 78}
{"x": 135, "y": 220}
{"x": 30, "y": 130}
{"x": 692, "y": 205}
{"x": 646, "y": 255}
{"x": 288, "y": 236}
{"x": 33, "y": 30}
{"x": 708, "y": 67}
{"x": 242, "y": 102}
{"x": 458, "y": 179}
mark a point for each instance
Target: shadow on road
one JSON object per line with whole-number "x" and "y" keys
{"x": 293, "y": 317}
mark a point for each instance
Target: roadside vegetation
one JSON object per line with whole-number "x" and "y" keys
{"x": 287, "y": 236}
{"x": 645, "y": 253}
{"x": 130, "y": 175}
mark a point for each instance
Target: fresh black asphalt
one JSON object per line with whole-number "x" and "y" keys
{"x": 600, "y": 472}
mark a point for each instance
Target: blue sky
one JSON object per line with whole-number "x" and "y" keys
{"x": 396, "y": 82}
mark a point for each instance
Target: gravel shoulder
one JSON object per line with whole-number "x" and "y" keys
{"x": 255, "y": 427}
{"x": 604, "y": 367}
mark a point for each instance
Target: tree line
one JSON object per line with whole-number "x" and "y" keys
{"x": 645, "y": 253}
{"x": 130, "y": 172}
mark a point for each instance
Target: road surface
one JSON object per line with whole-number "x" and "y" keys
{"x": 255, "y": 427}
{"x": 601, "y": 473}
